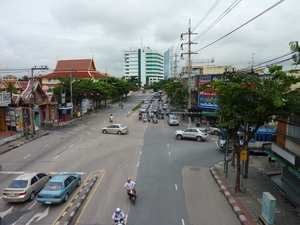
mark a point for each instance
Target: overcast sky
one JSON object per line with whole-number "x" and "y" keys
{"x": 35, "y": 32}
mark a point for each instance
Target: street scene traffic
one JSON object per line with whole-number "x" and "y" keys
{"x": 166, "y": 172}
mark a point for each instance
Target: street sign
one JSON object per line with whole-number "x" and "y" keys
{"x": 25, "y": 116}
{"x": 64, "y": 111}
{"x": 243, "y": 155}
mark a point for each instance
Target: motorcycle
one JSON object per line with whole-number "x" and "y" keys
{"x": 132, "y": 195}
{"x": 111, "y": 119}
{"x": 120, "y": 223}
{"x": 154, "y": 120}
{"x": 145, "y": 120}
{"x": 140, "y": 117}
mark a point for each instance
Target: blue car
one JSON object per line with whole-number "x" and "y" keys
{"x": 59, "y": 188}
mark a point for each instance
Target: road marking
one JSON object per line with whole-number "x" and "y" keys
{"x": 81, "y": 138}
{"x": 55, "y": 157}
{"x": 39, "y": 215}
{"x": 91, "y": 195}
{"x": 168, "y": 145}
{"x": 32, "y": 205}
{"x": 140, "y": 152}
{"x": 2, "y": 214}
{"x": 94, "y": 128}
{"x": 27, "y": 156}
{"x": 169, "y": 153}
{"x": 71, "y": 146}
{"x": 46, "y": 145}
{"x": 182, "y": 221}
{"x": 138, "y": 164}
{"x": 88, "y": 133}
{"x": 176, "y": 187}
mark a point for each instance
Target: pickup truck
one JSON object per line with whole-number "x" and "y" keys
{"x": 214, "y": 130}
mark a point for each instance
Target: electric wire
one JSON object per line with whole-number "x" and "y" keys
{"x": 207, "y": 14}
{"x": 232, "y": 6}
{"x": 244, "y": 24}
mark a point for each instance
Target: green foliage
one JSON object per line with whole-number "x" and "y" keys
{"x": 12, "y": 89}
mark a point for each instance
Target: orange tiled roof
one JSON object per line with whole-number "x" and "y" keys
{"x": 80, "y": 68}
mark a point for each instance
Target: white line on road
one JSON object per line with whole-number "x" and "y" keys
{"x": 71, "y": 146}
{"x": 46, "y": 145}
{"x": 81, "y": 138}
{"x": 26, "y": 156}
{"x": 56, "y": 157}
{"x": 140, "y": 152}
{"x": 88, "y": 133}
{"x": 94, "y": 128}
{"x": 168, "y": 145}
{"x": 176, "y": 187}
{"x": 182, "y": 221}
{"x": 138, "y": 164}
{"x": 169, "y": 153}
{"x": 32, "y": 205}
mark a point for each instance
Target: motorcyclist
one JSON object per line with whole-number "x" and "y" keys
{"x": 130, "y": 185}
{"x": 118, "y": 216}
{"x": 111, "y": 118}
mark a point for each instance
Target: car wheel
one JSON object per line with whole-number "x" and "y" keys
{"x": 199, "y": 138}
{"x": 119, "y": 132}
{"x": 79, "y": 183}
{"x": 179, "y": 136}
{"x": 216, "y": 133}
{"x": 66, "y": 197}
{"x": 105, "y": 131}
{"x": 32, "y": 195}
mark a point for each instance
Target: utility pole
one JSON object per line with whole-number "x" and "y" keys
{"x": 189, "y": 43}
{"x": 71, "y": 93}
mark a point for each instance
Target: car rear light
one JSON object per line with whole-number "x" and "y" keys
{"x": 56, "y": 197}
{"x": 22, "y": 193}
{"x": 39, "y": 196}
{"x": 4, "y": 193}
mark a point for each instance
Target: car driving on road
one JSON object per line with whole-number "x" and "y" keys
{"x": 196, "y": 133}
{"x": 173, "y": 120}
{"x": 116, "y": 129}
{"x": 59, "y": 188}
{"x": 25, "y": 187}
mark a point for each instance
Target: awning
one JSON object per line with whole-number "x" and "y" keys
{"x": 209, "y": 114}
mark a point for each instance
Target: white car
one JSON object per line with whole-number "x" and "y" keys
{"x": 196, "y": 133}
{"x": 116, "y": 129}
{"x": 173, "y": 120}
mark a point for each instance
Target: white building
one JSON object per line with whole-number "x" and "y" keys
{"x": 144, "y": 63}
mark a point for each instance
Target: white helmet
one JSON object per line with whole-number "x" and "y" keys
{"x": 118, "y": 210}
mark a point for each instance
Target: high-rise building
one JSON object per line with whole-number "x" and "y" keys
{"x": 144, "y": 63}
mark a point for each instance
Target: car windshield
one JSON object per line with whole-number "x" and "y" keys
{"x": 173, "y": 117}
{"x": 18, "y": 184}
{"x": 53, "y": 186}
{"x": 121, "y": 125}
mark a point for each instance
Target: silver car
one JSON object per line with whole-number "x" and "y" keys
{"x": 196, "y": 133}
{"x": 116, "y": 129}
{"x": 173, "y": 120}
{"x": 25, "y": 187}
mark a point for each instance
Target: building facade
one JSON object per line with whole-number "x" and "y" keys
{"x": 143, "y": 63}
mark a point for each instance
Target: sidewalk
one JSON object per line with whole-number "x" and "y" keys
{"x": 262, "y": 177}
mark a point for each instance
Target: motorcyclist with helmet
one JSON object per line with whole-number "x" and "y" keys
{"x": 118, "y": 217}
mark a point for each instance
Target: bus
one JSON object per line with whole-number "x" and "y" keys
{"x": 262, "y": 136}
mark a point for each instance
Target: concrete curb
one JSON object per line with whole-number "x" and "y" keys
{"x": 234, "y": 205}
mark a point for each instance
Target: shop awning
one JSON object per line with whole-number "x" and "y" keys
{"x": 209, "y": 114}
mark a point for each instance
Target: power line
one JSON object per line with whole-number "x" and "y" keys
{"x": 241, "y": 25}
{"x": 218, "y": 19}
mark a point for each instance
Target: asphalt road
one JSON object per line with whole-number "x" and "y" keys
{"x": 173, "y": 181}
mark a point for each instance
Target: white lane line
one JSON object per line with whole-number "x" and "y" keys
{"x": 182, "y": 221}
{"x": 140, "y": 152}
{"x": 27, "y": 156}
{"x": 168, "y": 145}
{"x": 169, "y": 153}
{"x": 46, "y": 145}
{"x": 88, "y": 133}
{"x": 56, "y": 157}
{"x": 176, "y": 187}
{"x": 71, "y": 146}
{"x": 81, "y": 138}
{"x": 32, "y": 205}
{"x": 138, "y": 164}
{"x": 94, "y": 128}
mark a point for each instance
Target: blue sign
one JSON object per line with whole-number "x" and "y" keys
{"x": 64, "y": 111}
{"x": 25, "y": 116}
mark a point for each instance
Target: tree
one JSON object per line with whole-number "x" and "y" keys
{"x": 24, "y": 78}
{"x": 246, "y": 99}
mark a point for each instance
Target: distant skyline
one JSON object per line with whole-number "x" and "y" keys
{"x": 35, "y": 33}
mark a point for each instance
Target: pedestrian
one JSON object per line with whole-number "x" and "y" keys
{"x": 269, "y": 158}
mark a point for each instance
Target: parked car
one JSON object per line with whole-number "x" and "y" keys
{"x": 59, "y": 188}
{"x": 173, "y": 120}
{"x": 195, "y": 133}
{"x": 116, "y": 129}
{"x": 25, "y": 187}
